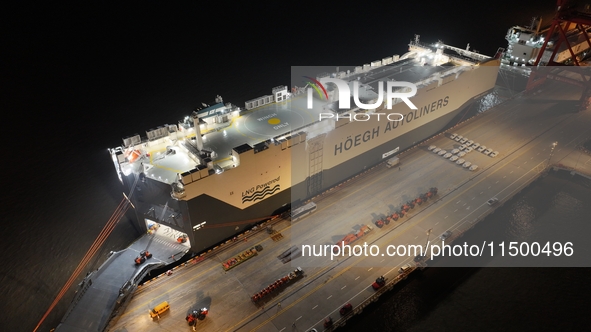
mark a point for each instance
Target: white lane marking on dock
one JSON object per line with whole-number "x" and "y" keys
{"x": 464, "y": 204}
{"x": 538, "y": 154}
{"x": 489, "y": 187}
{"x": 298, "y": 318}
{"x": 416, "y": 237}
{"x": 445, "y": 217}
{"x": 382, "y": 260}
{"x": 357, "y": 278}
{"x": 511, "y": 172}
{"x": 456, "y": 210}
{"x": 473, "y": 198}
{"x": 504, "y": 176}
{"x": 282, "y": 329}
{"x": 481, "y": 192}
{"x": 458, "y": 202}
{"x": 316, "y": 306}
{"x": 437, "y": 223}
{"x": 329, "y": 297}
{"x": 371, "y": 268}
{"x": 525, "y": 162}
{"x": 497, "y": 181}
{"x": 343, "y": 287}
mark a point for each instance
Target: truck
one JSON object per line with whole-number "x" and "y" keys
{"x": 392, "y": 162}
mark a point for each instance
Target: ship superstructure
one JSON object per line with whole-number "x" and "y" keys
{"x": 525, "y": 44}
{"x": 224, "y": 168}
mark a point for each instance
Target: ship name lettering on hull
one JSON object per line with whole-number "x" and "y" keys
{"x": 351, "y": 142}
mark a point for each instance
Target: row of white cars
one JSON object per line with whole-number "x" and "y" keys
{"x": 454, "y": 155}
{"x": 469, "y": 145}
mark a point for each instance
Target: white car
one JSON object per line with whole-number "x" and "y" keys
{"x": 487, "y": 151}
{"x": 475, "y": 145}
{"x": 481, "y": 148}
{"x": 462, "y": 147}
{"x": 464, "y": 140}
{"x": 430, "y": 148}
{"x": 453, "y": 136}
{"x": 454, "y": 151}
{"x": 468, "y": 150}
{"x": 454, "y": 158}
{"x": 494, "y": 154}
{"x": 445, "y": 235}
{"x": 470, "y": 142}
{"x": 436, "y": 150}
{"x": 492, "y": 201}
{"x": 467, "y": 164}
{"x": 461, "y": 154}
{"x": 473, "y": 167}
{"x": 460, "y": 161}
{"x": 442, "y": 152}
{"x": 459, "y": 138}
{"x": 447, "y": 155}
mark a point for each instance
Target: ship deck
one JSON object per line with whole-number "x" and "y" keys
{"x": 522, "y": 130}
{"x": 272, "y": 121}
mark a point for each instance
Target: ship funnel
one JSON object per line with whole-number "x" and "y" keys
{"x": 198, "y": 138}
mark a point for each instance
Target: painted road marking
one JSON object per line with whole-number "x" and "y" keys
{"x": 371, "y": 268}
{"x": 437, "y": 223}
{"x": 329, "y": 297}
{"x": 343, "y": 287}
{"x": 445, "y": 217}
{"x": 456, "y": 210}
{"x": 316, "y": 306}
{"x": 357, "y": 278}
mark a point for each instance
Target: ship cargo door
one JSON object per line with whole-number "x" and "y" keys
{"x": 315, "y": 151}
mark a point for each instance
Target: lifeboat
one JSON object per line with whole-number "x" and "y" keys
{"x": 134, "y": 155}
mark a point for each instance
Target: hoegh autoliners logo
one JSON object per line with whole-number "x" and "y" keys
{"x": 250, "y": 195}
{"x": 345, "y": 93}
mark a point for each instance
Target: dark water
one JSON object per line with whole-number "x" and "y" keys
{"x": 78, "y": 78}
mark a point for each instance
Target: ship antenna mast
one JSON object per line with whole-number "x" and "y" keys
{"x": 417, "y": 39}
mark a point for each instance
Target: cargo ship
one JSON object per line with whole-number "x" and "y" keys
{"x": 223, "y": 169}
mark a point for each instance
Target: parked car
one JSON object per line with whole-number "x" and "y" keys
{"x": 445, "y": 235}
{"x": 436, "y": 150}
{"x": 473, "y": 167}
{"x": 481, "y": 148}
{"x": 460, "y": 161}
{"x": 467, "y": 164}
{"x": 459, "y": 138}
{"x": 475, "y": 145}
{"x": 464, "y": 140}
{"x": 468, "y": 150}
{"x": 494, "y": 154}
{"x": 461, "y": 154}
{"x": 454, "y": 151}
{"x": 453, "y": 136}
{"x": 431, "y": 148}
{"x": 454, "y": 158}
{"x": 462, "y": 147}
{"x": 492, "y": 201}
{"x": 447, "y": 155}
{"x": 404, "y": 268}
{"x": 347, "y": 308}
{"x": 487, "y": 151}
{"x": 442, "y": 152}
{"x": 470, "y": 142}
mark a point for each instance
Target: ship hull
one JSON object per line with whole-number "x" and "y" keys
{"x": 221, "y": 213}
{"x": 214, "y": 207}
